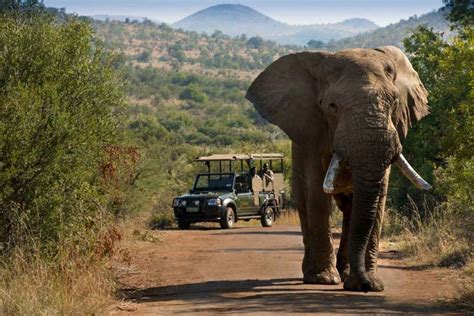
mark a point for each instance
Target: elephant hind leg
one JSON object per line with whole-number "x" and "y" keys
{"x": 344, "y": 202}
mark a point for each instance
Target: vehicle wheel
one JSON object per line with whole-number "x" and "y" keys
{"x": 268, "y": 217}
{"x": 182, "y": 224}
{"x": 228, "y": 220}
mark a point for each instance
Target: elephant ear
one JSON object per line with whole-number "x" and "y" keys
{"x": 285, "y": 94}
{"x": 413, "y": 97}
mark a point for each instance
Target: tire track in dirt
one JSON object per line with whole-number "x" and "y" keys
{"x": 256, "y": 270}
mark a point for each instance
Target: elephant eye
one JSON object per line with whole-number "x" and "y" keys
{"x": 333, "y": 107}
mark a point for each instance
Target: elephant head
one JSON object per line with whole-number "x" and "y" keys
{"x": 360, "y": 104}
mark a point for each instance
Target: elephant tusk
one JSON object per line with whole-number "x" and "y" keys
{"x": 328, "y": 185}
{"x": 411, "y": 174}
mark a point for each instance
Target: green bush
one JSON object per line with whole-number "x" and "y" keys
{"x": 193, "y": 93}
{"x": 59, "y": 100}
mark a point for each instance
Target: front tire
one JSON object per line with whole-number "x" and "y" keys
{"x": 228, "y": 220}
{"x": 268, "y": 217}
{"x": 182, "y": 224}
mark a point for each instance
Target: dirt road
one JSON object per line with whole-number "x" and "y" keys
{"x": 256, "y": 270}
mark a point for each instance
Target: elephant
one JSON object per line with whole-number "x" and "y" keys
{"x": 346, "y": 114}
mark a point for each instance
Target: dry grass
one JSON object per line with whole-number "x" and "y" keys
{"x": 73, "y": 279}
{"x": 436, "y": 240}
{"x": 465, "y": 287}
{"x": 32, "y": 285}
{"x": 440, "y": 238}
{"x": 289, "y": 217}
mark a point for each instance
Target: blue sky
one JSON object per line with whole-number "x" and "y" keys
{"x": 382, "y": 12}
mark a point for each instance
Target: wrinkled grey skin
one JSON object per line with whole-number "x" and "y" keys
{"x": 359, "y": 104}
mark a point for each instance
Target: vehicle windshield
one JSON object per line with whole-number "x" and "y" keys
{"x": 214, "y": 182}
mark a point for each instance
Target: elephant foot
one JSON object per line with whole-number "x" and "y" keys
{"x": 344, "y": 270}
{"x": 374, "y": 279}
{"x": 366, "y": 283}
{"x": 324, "y": 277}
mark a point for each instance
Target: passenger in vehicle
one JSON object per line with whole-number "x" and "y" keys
{"x": 253, "y": 173}
{"x": 266, "y": 174}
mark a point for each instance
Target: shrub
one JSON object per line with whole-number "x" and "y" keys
{"x": 145, "y": 56}
{"x": 58, "y": 98}
{"x": 255, "y": 42}
{"x": 194, "y": 93}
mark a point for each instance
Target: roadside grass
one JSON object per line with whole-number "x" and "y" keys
{"x": 288, "y": 217}
{"x": 436, "y": 240}
{"x": 161, "y": 219}
{"x": 71, "y": 277}
{"x": 440, "y": 238}
{"x": 465, "y": 287}
{"x": 35, "y": 285}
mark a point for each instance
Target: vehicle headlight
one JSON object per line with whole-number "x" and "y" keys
{"x": 214, "y": 202}
{"x": 179, "y": 202}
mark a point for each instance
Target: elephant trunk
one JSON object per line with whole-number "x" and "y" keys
{"x": 364, "y": 211}
{"x": 369, "y": 151}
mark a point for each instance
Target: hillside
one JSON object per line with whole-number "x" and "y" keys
{"x": 122, "y": 18}
{"x": 235, "y": 20}
{"x": 301, "y": 35}
{"x": 189, "y": 88}
{"x": 394, "y": 34}
{"x": 160, "y": 46}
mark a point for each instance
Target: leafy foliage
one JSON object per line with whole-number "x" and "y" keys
{"x": 461, "y": 12}
{"x": 59, "y": 100}
{"x": 447, "y": 133}
{"x": 440, "y": 227}
{"x": 20, "y": 5}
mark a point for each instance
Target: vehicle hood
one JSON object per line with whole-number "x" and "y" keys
{"x": 206, "y": 195}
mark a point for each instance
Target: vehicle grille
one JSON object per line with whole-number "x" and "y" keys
{"x": 196, "y": 202}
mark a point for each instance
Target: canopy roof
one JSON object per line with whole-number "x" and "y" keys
{"x": 232, "y": 157}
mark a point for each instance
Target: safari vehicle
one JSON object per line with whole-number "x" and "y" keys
{"x": 225, "y": 195}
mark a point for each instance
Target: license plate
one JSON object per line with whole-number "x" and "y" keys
{"x": 192, "y": 209}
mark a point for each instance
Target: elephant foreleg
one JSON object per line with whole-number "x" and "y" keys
{"x": 319, "y": 262}
{"x": 344, "y": 202}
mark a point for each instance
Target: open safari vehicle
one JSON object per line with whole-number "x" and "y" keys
{"x": 232, "y": 189}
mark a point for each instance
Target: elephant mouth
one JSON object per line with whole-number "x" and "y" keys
{"x": 336, "y": 165}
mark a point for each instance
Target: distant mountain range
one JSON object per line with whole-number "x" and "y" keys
{"x": 235, "y": 19}
{"x": 394, "y": 34}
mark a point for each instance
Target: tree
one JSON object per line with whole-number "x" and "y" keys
{"x": 460, "y": 12}
{"x": 194, "y": 93}
{"x": 59, "y": 100}
{"x": 315, "y": 44}
{"x": 444, "y": 139}
{"x": 255, "y": 42}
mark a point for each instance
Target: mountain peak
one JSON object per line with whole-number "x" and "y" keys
{"x": 359, "y": 23}
{"x": 229, "y": 6}
{"x": 232, "y": 19}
